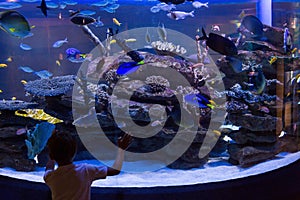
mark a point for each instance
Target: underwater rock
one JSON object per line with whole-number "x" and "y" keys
{"x": 259, "y": 45}
{"x": 244, "y": 136}
{"x": 289, "y": 143}
{"x": 249, "y": 156}
{"x": 236, "y": 107}
{"x": 55, "y": 86}
{"x": 14, "y": 105}
{"x": 255, "y": 123}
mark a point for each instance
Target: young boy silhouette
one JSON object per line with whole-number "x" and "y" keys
{"x": 73, "y": 181}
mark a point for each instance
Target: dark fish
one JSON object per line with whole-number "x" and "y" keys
{"x": 253, "y": 25}
{"x": 127, "y": 68}
{"x": 219, "y": 44}
{"x": 83, "y": 20}
{"x": 259, "y": 81}
{"x": 176, "y": 2}
{"x": 14, "y": 23}
{"x": 199, "y": 100}
{"x": 135, "y": 56}
{"x": 43, "y": 7}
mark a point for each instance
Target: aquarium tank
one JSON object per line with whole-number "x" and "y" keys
{"x": 202, "y": 86}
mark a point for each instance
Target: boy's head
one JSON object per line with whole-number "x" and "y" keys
{"x": 62, "y": 147}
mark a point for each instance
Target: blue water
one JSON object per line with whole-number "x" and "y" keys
{"x": 132, "y": 14}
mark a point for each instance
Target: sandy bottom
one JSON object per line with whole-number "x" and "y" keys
{"x": 215, "y": 170}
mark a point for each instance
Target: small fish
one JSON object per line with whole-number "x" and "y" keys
{"x": 199, "y": 100}
{"x": 197, "y": 4}
{"x": 26, "y": 69}
{"x": 83, "y": 20}
{"x": 14, "y": 98}
{"x": 115, "y": 21}
{"x": 1, "y": 91}
{"x": 177, "y": 15}
{"x": 127, "y": 68}
{"x": 101, "y": 3}
{"x": 9, "y": 59}
{"x": 98, "y": 23}
{"x": 273, "y": 59}
{"x": 217, "y": 133}
{"x": 293, "y": 50}
{"x": 154, "y": 9}
{"x": 43, "y": 74}
{"x": 23, "y": 82}
{"x": 21, "y": 131}
{"x": 59, "y": 15}
{"x": 3, "y": 65}
{"x": 130, "y": 40}
{"x": 43, "y": 7}
{"x": 162, "y": 33}
{"x": 57, "y": 62}
{"x": 287, "y": 40}
{"x": 25, "y": 47}
{"x": 147, "y": 37}
{"x": 166, "y": 7}
{"x": 59, "y": 43}
{"x": 242, "y": 14}
{"x": 260, "y": 81}
{"x": 87, "y": 12}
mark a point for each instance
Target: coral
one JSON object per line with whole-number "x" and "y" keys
{"x": 111, "y": 76}
{"x": 238, "y": 93}
{"x": 157, "y": 83}
{"x": 37, "y": 139}
{"x": 168, "y": 46}
{"x": 16, "y": 105}
{"x": 55, "y": 86}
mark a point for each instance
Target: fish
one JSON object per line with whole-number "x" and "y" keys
{"x": 127, "y": 68}
{"x": 287, "y": 40}
{"x": 175, "y": 2}
{"x": 21, "y": 131}
{"x": 98, "y": 23}
{"x": 83, "y": 20}
{"x": 293, "y": 50}
{"x": 14, "y": 98}
{"x": 115, "y": 21}
{"x": 43, "y": 74}
{"x": 100, "y": 3}
{"x": 165, "y": 7}
{"x": 43, "y": 7}
{"x": 253, "y": 25}
{"x": 26, "y": 69}
{"x": 9, "y": 5}
{"x": 59, "y": 43}
{"x": 242, "y": 14}
{"x": 154, "y": 9}
{"x": 9, "y": 59}
{"x": 25, "y": 47}
{"x": 219, "y": 44}
{"x": 147, "y": 37}
{"x": 14, "y": 24}
{"x": 1, "y": 91}
{"x": 215, "y": 28}
{"x": 177, "y": 15}
{"x": 87, "y": 12}
{"x": 199, "y": 100}
{"x": 3, "y": 65}
{"x": 272, "y": 60}
{"x": 259, "y": 81}
{"x": 72, "y": 52}
{"x": 73, "y": 12}
{"x": 57, "y": 62}
{"x": 197, "y": 4}
{"x": 162, "y": 33}
{"x": 23, "y": 82}
{"x": 52, "y": 5}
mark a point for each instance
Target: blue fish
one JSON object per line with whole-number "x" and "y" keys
{"x": 10, "y": 5}
{"x": 72, "y": 52}
{"x": 98, "y": 23}
{"x": 100, "y": 3}
{"x": 43, "y": 74}
{"x": 87, "y": 12}
{"x": 127, "y": 68}
{"x": 25, "y": 47}
{"x": 59, "y": 43}
{"x": 198, "y": 100}
{"x": 26, "y": 69}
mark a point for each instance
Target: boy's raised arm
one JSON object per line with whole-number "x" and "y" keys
{"x": 123, "y": 144}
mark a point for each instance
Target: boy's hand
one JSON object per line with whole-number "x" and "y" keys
{"x": 125, "y": 141}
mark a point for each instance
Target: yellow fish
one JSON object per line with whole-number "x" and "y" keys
{"x": 57, "y": 62}
{"x": 294, "y": 50}
{"x": 112, "y": 42}
{"x": 116, "y": 22}
{"x": 2, "y": 65}
{"x": 272, "y": 60}
{"x": 14, "y": 98}
{"x": 218, "y": 133}
{"x": 9, "y": 59}
{"x": 23, "y": 82}
{"x": 130, "y": 40}
{"x": 1, "y": 91}
{"x": 12, "y": 30}
{"x": 33, "y": 26}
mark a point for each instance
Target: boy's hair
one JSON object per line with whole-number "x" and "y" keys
{"x": 62, "y": 146}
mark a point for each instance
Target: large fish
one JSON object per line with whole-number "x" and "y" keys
{"x": 83, "y": 20}
{"x": 43, "y": 7}
{"x": 14, "y": 23}
{"x": 219, "y": 44}
{"x": 177, "y": 15}
{"x": 253, "y": 25}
